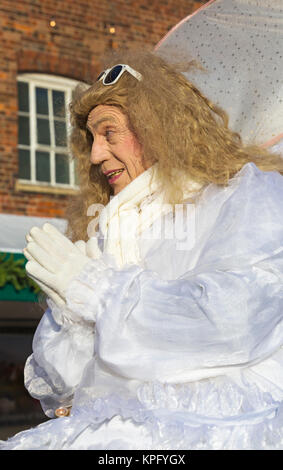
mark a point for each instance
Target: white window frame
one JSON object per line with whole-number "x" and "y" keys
{"x": 50, "y": 82}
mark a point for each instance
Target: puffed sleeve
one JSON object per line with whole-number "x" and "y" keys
{"x": 61, "y": 350}
{"x": 63, "y": 345}
{"x": 191, "y": 314}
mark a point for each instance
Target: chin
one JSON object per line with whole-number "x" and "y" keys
{"x": 118, "y": 190}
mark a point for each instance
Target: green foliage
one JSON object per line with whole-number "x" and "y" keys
{"x": 13, "y": 271}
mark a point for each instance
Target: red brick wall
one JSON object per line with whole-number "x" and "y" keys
{"x": 72, "y": 49}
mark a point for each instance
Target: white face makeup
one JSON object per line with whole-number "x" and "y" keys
{"x": 115, "y": 148}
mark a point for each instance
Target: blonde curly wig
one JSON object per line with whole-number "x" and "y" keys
{"x": 176, "y": 125}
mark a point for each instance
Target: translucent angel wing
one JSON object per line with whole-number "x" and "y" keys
{"x": 239, "y": 43}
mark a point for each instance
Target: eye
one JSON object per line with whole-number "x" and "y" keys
{"x": 108, "y": 134}
{"x": 89, "y": 134}
{"x": 89, "y": 137}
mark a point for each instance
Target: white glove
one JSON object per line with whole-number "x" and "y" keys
{"x": 53, "y": 260}
{"x": 81, "y": 245}
{"x": 50, "y": 292}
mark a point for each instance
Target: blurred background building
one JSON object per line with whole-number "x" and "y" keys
{"x": 46, "y": 48}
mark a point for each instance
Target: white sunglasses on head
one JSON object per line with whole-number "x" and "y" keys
{"x": 112, "y": 75}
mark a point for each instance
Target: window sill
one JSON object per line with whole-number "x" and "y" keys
{"x": 36, "y": 188}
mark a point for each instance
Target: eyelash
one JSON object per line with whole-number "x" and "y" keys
{"x": 106, "y": 134}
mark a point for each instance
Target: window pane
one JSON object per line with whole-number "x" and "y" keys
{"x": 24, "y": 164}
{"x": 41, "y": 101}
{"x": 62, "y": 168}
{"x": 60, "y": 133}
{"x": 43, "y": 131}
{"x": 24, "y": 130}
{"x": 58, "y": 98}
{"x": 23, "y": 96}
{"x": 42, "y": 166}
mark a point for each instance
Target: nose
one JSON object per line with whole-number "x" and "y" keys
{"x": 98, "y": 153}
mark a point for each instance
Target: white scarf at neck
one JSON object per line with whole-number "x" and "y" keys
{"x": 130, "y": 212}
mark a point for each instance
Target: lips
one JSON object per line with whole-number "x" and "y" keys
{"x": 111, "y": 173}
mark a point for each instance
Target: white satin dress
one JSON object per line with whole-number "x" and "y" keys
{"x": 182, "y": 350}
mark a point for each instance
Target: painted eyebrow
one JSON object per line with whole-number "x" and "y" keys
{"x": 100, "y": 121}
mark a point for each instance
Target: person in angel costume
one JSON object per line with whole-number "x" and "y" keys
{"x": 164, "y": 327}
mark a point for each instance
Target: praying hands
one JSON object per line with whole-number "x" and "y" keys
{"x": 53, "y": 260}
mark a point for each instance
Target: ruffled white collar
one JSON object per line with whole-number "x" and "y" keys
{"x": 132, "y": 211}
